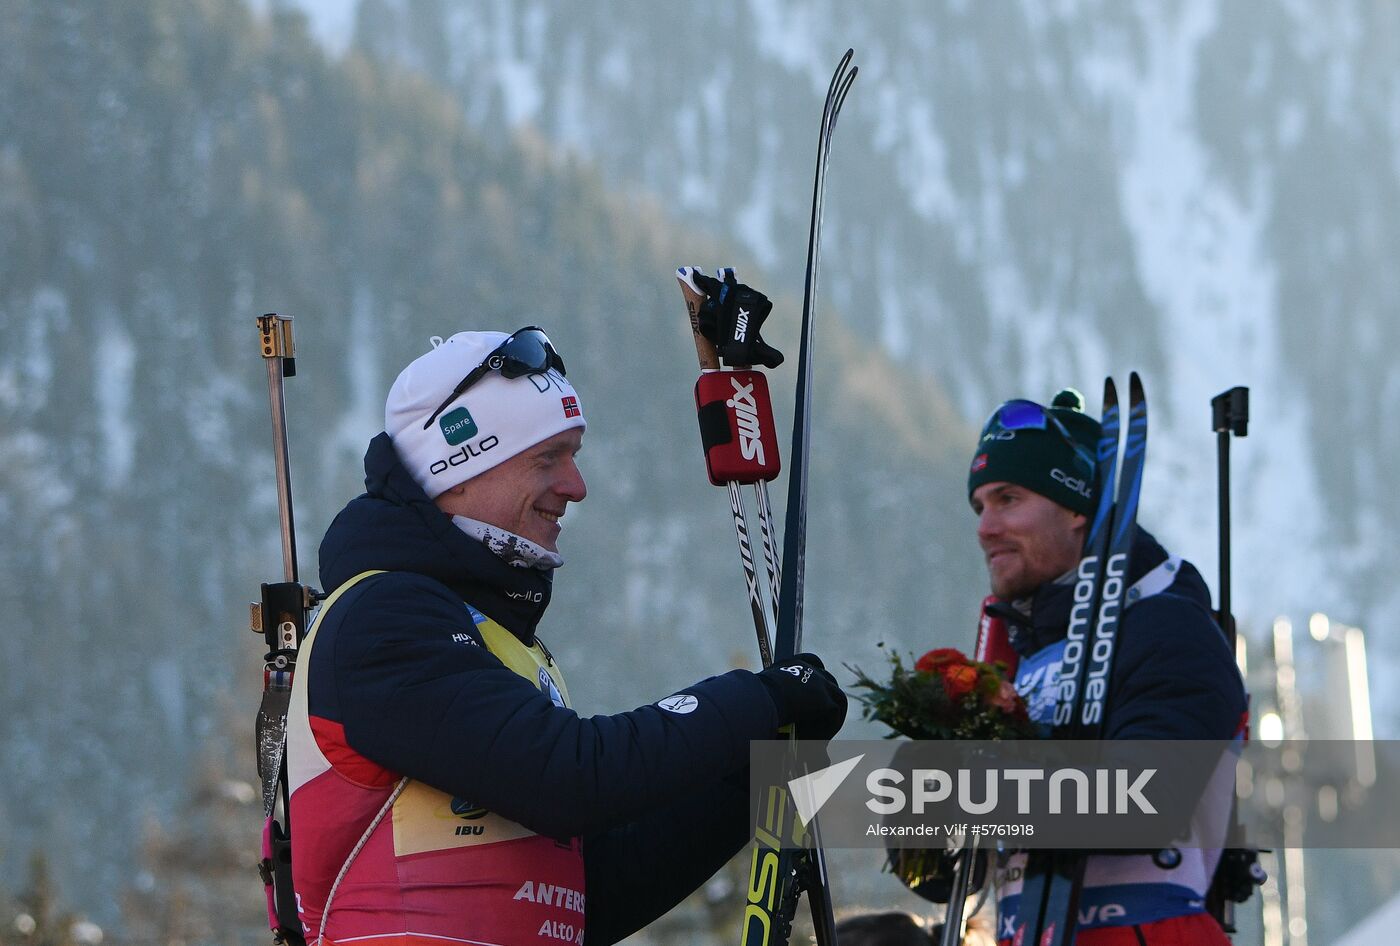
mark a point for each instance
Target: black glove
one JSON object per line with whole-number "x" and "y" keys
{"x": 806, "y": 695}
{"x": 731, "y": 318}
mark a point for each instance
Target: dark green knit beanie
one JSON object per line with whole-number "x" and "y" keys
{"x": 1040, "y": 458}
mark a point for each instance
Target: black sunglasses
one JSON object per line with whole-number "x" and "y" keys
{"x": 526, "y": 351}
{"x": 1021, "y": 414}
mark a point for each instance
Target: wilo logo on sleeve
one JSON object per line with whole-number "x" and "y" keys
{"x": 457, "y": 426}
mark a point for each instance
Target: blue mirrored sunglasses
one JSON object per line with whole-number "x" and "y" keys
{"x": 1021, "y": 414}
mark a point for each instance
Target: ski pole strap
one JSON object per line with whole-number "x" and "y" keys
{"x": 734, "y": 407}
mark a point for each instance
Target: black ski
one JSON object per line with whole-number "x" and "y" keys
{"x": 787, "y": 860}
{"x": 1048, "y": 911}
{"x": 789, "y": 637}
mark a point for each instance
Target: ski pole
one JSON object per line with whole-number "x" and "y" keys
{"x": 993, "y": 644}
{"x": 709, "y": 366}
{"x": 281, "y": 617}
{"x": 765, "y": 510}
{"x": 781, "y": 870}
{"x": 954, "y": 920}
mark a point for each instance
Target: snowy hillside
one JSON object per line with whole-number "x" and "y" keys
{"x": 1026, "y": 195}
{"x": 1023, "y": 195}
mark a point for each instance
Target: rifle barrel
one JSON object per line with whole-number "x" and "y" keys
{"x": 276, "y": 337}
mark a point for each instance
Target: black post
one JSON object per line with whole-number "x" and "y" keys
{"x": 1229, "y": 415}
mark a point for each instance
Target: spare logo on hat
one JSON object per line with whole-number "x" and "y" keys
{"x": 457, "y": 426}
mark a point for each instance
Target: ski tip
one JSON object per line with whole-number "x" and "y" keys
{"x": 1135, "y": 390}
{"x": 837, "y": 76}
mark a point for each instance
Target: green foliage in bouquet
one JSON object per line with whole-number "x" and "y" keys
{"x": 946, "y": 696}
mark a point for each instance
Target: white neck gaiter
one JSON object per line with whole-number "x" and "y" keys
{"x": 507, "y": 546}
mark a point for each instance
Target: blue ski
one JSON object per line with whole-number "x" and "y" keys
{"x": 1048, "y": 912}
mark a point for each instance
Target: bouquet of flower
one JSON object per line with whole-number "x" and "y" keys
{"x": 946, "y": 696}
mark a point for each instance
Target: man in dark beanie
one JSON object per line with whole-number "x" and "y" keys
{"x": 1032, "y": 485}
{"x": 1026, "y": 448}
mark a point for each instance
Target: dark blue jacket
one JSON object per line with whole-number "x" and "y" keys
{"x": 659, "y": 799}
{"x": 1174, "y": 676}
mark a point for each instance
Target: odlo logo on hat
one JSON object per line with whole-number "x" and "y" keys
{"x": 457, "y": 426}
{"x": 979, "y": 463}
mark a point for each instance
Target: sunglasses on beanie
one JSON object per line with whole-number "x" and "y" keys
{"x": 1021, "y": 414}
{"x": 526, "y": 351}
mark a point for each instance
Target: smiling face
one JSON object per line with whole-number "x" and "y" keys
{"x": 1026, "y": 538}
{"x": 526, "y": 494}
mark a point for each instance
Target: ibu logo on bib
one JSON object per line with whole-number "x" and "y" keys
{"x": 1037, "y": 681}
{"x": 548, "y": 688}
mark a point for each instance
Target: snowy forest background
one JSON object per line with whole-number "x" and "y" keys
{"x": 1023, "y": 195}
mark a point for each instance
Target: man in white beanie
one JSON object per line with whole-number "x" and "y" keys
{"x": 442, "y": 788}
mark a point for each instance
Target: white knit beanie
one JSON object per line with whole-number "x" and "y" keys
{"x": 495, "y": 419}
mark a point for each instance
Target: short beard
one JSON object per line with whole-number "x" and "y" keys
{"x": 1014, "y": 591}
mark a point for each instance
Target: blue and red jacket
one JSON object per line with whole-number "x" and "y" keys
{"x": 600, "y": 823}
{"x": 1173, "y": 677}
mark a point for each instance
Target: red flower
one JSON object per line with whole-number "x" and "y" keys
{"x": 959, "y": 680}
{"x": 946, "y": 696}
{"x": 1006, "y": 698}
{"x": 936, "y": 660}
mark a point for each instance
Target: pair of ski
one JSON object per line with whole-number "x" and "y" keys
{"x": 1048, "y": 911}
{"x": 787, "y": 860}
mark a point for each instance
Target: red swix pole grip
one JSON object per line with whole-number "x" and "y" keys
{"x": 736, "y": 426}
{"x": 735, "y": 411}
{"x": 993, "y": 640}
